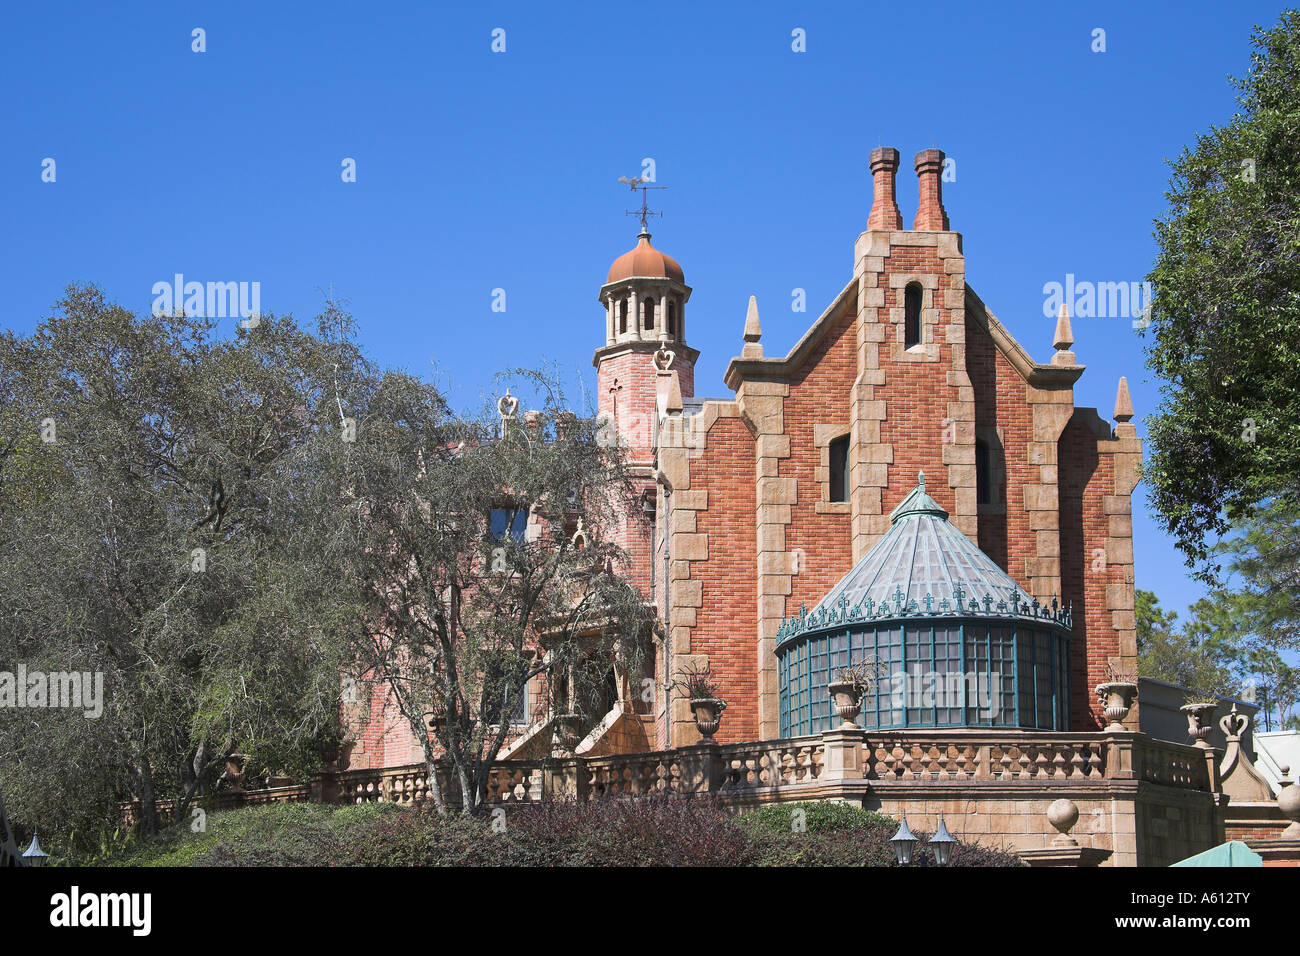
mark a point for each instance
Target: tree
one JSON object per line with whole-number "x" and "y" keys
{"x": 1179, "y": 657}
{"x": 484, "y": 556}
{"x": 1226, "y": 312}
{"x": 169, "y": 521}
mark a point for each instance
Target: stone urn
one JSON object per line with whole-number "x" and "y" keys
{"x": 1288, "y": 801}
{"x": 848, "y": 702}
{"x": 1199, "y": 722}
{"x": 708, "y": 715}
{"x": 567, "y": 733}
{"x": 1118, "y": 696}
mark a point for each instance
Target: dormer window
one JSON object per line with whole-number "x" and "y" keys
{"x": 912, "y": 315}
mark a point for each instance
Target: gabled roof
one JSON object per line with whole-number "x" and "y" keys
{"x": 1040, "y": 375}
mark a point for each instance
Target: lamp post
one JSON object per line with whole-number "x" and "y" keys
{"x": 942, "y": 842}
{"x": 34, "y": 855}
{"x": 903, "y": 842}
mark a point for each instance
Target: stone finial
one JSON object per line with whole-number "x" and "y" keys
{"x": 753, "y": 331}
{"x": 663, "y": 358}
{"x": 884, "y": 206}
{"x": 1123, "y": 404}
{"x": 1064, "y": 336}
{"x": 673, "y": 398}
{"x": 1288, "y": 801}
{"x": 1063, "y": 815}
{"x": 507, "y": 404}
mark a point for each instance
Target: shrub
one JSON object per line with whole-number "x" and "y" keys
{"x": 654, "y": 831}
{"x": 840, "y": 834}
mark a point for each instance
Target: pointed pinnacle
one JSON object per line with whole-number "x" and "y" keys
{"x": 1064, "y": 337}
{"x": 753, "y": 331}
{"x": 673, "y": 405}
{"x": 1123, "y": 404}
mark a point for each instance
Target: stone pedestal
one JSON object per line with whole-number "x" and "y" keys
{"x": 842, "y": 759}
{"x": 1064, "y": 856}
{"x": 701, "y": 767}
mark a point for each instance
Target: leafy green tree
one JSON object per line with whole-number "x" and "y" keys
{"x": 169, "y": 519}
{"x": 1182, "y": 657}
{"x": 475, "y": 576}
{"x": 1226, "y": 312}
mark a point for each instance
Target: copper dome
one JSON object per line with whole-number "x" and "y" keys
{"x": 645, "y": 261}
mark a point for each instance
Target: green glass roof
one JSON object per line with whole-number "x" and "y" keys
{"x": 922, "y": 567}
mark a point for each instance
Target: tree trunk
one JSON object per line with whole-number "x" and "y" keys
{"x": 148, "y": 808}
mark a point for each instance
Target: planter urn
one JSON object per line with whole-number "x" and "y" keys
{"x": 568, "y": 732}
{"x": 1118, "y": 696}
{"x": 848, "y": 702}
{"x": 1198, "y": 721}
{"x": 708, "y": 715}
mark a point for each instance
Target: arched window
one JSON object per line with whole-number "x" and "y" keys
{"x": 622, "y": 316}
{"x": 649, "y": 313}
{"x": 912, "y": 315}
{"x": 839, "y": 490}
{"x": 672, "y": 317}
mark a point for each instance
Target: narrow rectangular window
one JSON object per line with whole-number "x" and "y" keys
{"x": 839, "y": 455}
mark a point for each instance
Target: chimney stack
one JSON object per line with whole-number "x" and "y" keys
{"x": 884, "y": 207}
{"x": 930, "y": 214}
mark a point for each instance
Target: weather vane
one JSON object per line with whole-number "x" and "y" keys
{"x": 638, "y": 183}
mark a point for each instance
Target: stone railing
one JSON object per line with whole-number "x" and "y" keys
{"x": 634, "y": 774}
{"x": 1176, "y": 765}
{"x": 838, "y": 763}
{"x": 942, "y": 755}
{"x": 771, "y": 763}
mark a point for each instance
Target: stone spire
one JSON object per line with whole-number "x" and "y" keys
{"x": 753, "y": 332}
{"x": 1123, "y": 404}
{"x": 1064, "y": 338}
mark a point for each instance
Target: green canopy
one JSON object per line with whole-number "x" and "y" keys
{"x": 1232, "y": 853}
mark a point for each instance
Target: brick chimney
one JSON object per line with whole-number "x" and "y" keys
{"x": 930, "y": 214}
{"x": 884, "y": 207}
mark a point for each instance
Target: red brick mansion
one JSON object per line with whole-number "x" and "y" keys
{"x": 907, "y": 487}
{"x": 762, "y": 501}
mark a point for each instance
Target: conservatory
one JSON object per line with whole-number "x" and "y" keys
{"x": 950, "y": 640}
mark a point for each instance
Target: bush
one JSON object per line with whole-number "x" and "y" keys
{"x": 657, "y": 831}
{"x": 840, "y": 834}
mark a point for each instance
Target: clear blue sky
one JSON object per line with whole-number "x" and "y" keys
{"x": 478, "y": 170}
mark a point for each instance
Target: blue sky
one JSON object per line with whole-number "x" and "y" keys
{"x": 479, "y": 170}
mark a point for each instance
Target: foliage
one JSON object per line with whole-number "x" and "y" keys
{"x": 471, "y": 612}
{"x": 169, "y": 519}
{"x": 863, "y": 675}
{"x": 698, "y": 683}
{"x": 651, "y": 831}
{"x": 824, "y": 833}
{"x": 1185, "y": 657}
{"x": 1226, "y": 313}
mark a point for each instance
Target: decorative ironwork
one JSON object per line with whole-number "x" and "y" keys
{"x": 899, "y": 608}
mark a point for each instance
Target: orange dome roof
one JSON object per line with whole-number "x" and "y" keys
{"x": 645, "y": 261}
